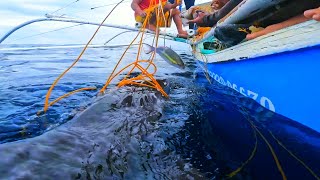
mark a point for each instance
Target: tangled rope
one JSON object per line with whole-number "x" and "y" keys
{"x": 144, "y": 79}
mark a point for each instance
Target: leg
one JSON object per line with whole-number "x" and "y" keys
{"x": 188, "y": 4}
{"x": 313, "y": 13}
{"x": 151, "y": 27}
{"x": 276, "y": 27}
{"x": 177, "y": 20}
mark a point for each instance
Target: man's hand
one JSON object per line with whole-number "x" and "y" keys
{"x": 141, "y": 13}
{"x": 137, "y": 9}
{"x": 199, "y": 19}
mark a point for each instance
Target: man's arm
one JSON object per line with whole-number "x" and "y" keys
{"x": 212, "y": 19}
{"x": 135, "y": 6}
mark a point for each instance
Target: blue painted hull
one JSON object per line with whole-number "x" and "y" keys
{"x": 286, "y": 83}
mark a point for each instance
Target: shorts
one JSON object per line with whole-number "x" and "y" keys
{"x": 164, "y": 21}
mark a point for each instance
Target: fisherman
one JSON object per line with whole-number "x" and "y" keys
{"x": 313, "y": 14}
{"x": 141, "y": 7}
{"x": 188, "y": 4}
{"x": 305, "y": 16}
{"x": 204, "y": 20}
{"x": 289, "y": 14}
{"x": 216, "y": 5}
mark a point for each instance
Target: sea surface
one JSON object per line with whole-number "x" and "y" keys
{"x": 202, "y": 131}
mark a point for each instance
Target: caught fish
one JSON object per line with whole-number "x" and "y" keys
{"x": 168, "y": 55}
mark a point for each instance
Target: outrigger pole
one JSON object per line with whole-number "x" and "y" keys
{"x": 78, "y": 22}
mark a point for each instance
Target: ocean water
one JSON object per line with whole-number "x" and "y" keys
{"x": 202, "y": 131}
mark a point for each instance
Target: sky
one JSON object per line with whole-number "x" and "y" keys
{"x": 15, "y": 12}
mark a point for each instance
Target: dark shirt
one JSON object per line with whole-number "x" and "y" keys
{"x": 188, "y": 3}
{"x": 288, "y": 10}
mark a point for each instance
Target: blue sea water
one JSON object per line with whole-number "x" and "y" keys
{"x": 203, "y": 131}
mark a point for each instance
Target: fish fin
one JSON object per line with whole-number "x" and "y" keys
{"x": 149, "y": 48}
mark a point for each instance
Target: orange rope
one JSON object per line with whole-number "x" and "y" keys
{"x": 47, "y": 104}
{"x": 146, "y": 78}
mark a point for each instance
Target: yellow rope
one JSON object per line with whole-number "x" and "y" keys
{"x": 295, "y": 157}
{"x": 255, "y": 130}
{"x": 230, "y": 175}
{"x": 273, "y": 153}
{"x": 66, "y": 95}
{"x": 47, "y": 104}
{"x": 146, "y": 78}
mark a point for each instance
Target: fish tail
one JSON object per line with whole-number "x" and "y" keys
{"x": 149, "y": 48}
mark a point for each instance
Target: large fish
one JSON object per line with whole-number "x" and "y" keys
{"x": 168, "y": 55}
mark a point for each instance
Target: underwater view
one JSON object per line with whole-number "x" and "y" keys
{"x": 203, "y": 130}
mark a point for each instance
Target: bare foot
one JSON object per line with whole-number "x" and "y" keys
{"x": 183, "y": 34}
{"x": 313, "y": 13}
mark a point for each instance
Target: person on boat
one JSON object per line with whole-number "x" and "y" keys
{"x": 216, "y": 5}
{"x": 193, "y": 11}
{"x": 307, "y": 15}
{"x": 188, "y": 4}
{"x": 141, "y": 7}
{"x": 313, "y": 14}
{"x": 204, "y": 20}
{"x": 284, "y": 15}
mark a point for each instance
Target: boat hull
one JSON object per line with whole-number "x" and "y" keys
{"x": 286, "y": 83}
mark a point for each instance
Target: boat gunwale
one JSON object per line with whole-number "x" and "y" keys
{"x": 234, "y": 55}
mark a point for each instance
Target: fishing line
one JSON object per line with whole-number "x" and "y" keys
{"x": 257, "y": 131}
{"x": 97, "y": 7}
{"x": 272, "y": 152}
{"x": 65, "y": 6}
{"x": 253, "y": 152}
{"x": 93, "y": 8}
{"x": 294, "y": 156}
{"x": 206, "y": 71}
{"x": 116, "y": 36}
{"x": 46, "y": 32}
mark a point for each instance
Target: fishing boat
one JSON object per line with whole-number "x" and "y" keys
{"x": 278, "y": 70}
